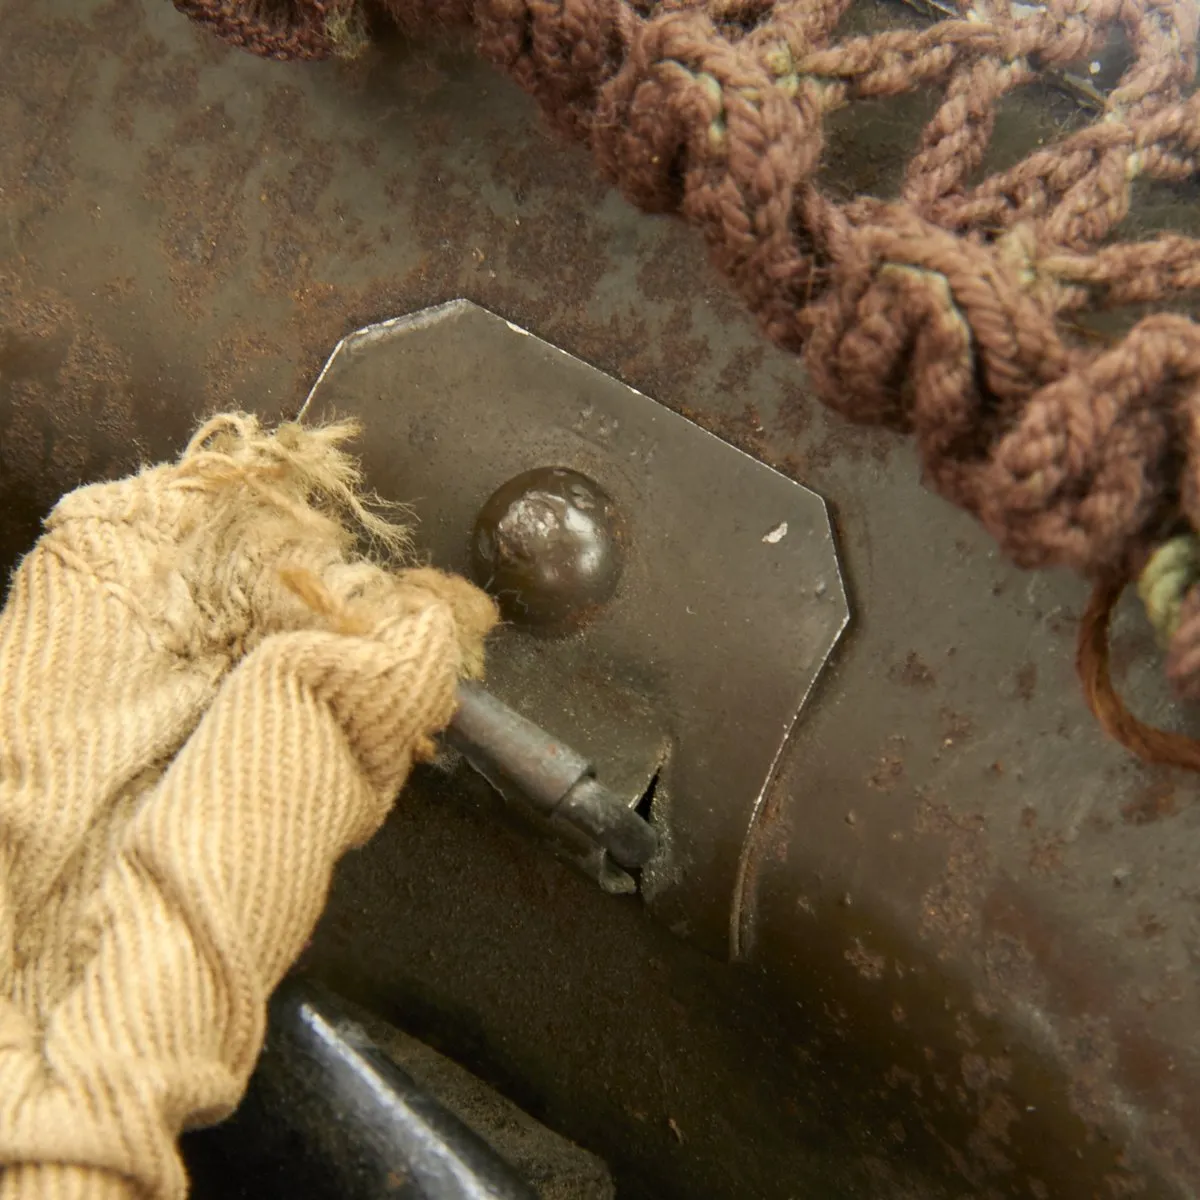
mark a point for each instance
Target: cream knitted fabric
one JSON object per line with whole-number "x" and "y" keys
{"x": 206, "y": 697}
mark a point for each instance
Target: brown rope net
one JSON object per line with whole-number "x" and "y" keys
{"x": 945, "y": 312}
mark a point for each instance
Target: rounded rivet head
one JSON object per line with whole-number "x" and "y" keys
{"x": 548, "y": 545}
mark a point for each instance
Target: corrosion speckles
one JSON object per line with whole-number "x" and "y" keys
{"x": 1154, "y": 802}
{"x": 950, "y": 908}
{"x": 65, "y": 409}
{"x": 201, "y": 227}
{"x": 868, "y": 965}
{"x": 1026, "y": 681}
{"x": 981, "y": 1073}
{"x": 888, "y": 769}
{"x": 48, "y": 76}
{"x": 912, "y": 672}
{"x": 154, "y": 80}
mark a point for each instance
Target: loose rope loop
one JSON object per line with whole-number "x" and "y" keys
{"x": 1158, "y": 746}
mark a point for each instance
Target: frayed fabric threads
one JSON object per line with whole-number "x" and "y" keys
{"x": 207, "y": 695}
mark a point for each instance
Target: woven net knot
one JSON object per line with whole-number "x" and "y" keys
{"x": 953, "y": 308}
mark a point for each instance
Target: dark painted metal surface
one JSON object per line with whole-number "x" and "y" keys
{"x": 979, "y": 920}
{"x": 329, "y": 1116}
{"x": 730, "y": 603}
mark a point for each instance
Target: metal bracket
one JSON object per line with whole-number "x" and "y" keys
{"x": 683, "y": 684}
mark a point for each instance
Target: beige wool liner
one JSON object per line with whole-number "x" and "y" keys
{"x": 207, "y": 696}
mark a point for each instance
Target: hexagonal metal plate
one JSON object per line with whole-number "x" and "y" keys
{"x": 730, "y": 603}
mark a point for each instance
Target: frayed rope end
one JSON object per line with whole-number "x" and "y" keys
{"x": 301, "y": 469}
